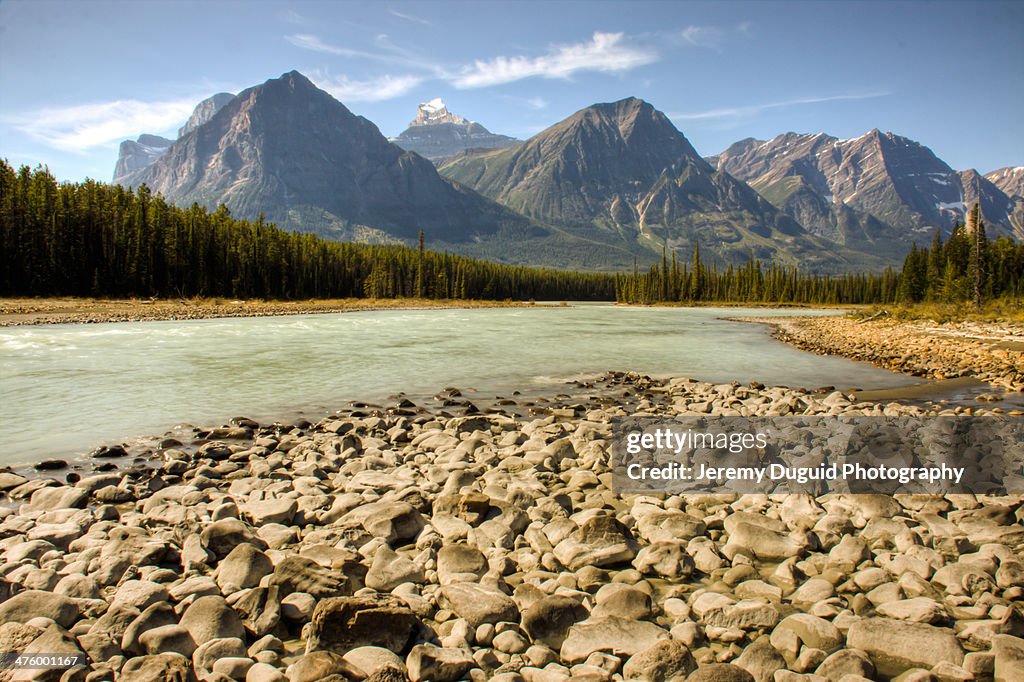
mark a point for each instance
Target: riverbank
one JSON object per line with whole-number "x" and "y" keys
{"x": 992, "y": 352}
{"x": 448, "y": 540}
{"x": 34, "y": 311}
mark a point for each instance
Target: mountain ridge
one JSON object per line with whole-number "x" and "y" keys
{"x": 885, "y": 184}
{"x": 620, "y": 172}
{"x": 290, "y": 151}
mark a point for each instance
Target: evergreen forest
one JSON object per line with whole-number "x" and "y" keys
{"x": 95, "y": 239}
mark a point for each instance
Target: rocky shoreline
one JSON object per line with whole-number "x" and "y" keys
{"x": 28, "y": 311}
{"x": 460, "y": 541}
{"x": 991, "y": 352}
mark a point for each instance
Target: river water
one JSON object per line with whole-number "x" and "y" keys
{"x": 65, "y": 389}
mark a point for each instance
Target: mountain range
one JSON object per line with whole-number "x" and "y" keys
{"x": 879, "y": 185}
{"x": 291, "y": 152}
{"x": 613, "y": 183}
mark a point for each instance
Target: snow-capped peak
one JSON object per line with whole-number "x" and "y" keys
{"x": 433, "y": 106}
{"x": 435, "y": 112}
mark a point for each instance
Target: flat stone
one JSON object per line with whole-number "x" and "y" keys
{"x": 301, "y": 574}
{"x": 548, "y": 619}
{"x": 157, "y": 668}
{"x": 916, "y": 610}
{"x": 600, "y": 541}
{"x": 319, "y": 666}
{"x": 340, "y": 624}
{"x": 395, "y": 522}
{"x": 279, "y": 510}
{"x": 243, "y": 567}
{"x": 895, "y": 646}
{"x": 617, "y": 636}
{"x": 761, "y": 660}
{"x": 1009, "y": 658}
{"x": 30, "y": 604}
{"x": 215, "y": 649}
{"x": 426, "y": 662}
{"x": 366, "y": 660}
{"x": 60, "y": 497}
{"x": 720, "y": 672}
{"x": 211, "y": 618}
{"x": 168, "y": 639}
{"x": 748, "y": 614}
{"x": 666, "y": 559}
{"x": 220, "y": 537}
{"x": 665, "y": 661}
{"x": 763, "y": 543}
{"x": 478, "y": 604}
{"x": 812, "y": 631}
{"x": 459, "y": 561}
{"x": 390, "y": 569}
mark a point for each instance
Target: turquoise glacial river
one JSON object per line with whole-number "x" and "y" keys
{"x": 65, "y": 389}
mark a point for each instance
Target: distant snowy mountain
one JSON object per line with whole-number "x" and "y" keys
{"x": 438, "y": 134}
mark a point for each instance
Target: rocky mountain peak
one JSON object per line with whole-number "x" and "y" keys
{"x": 435, "y": 112}
{"x": 204, "y": 111}
{"x": 437, "y": 134}
{"x": 292, "y": 152}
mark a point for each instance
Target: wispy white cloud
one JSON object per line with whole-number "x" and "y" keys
{"x": 605, "y": 52}
{"x": 292, "y": 17}
{"x": 713, "y": 37}
{"x": 703, "y": 36}
{"x": 311, "y": 42}
{"x": 385, "y": 87}
{"x": 389, "y": 53}
{"x": 83, "y": 127}
{"x": 409, "y": 17}
{"x": 537, "y": 103}
{"x": 750, "y": 110}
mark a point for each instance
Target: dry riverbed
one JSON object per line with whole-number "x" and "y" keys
{"x": 987, "y": 351}
{"x": 457, "y": 541}
{"x": 27, "y": 311}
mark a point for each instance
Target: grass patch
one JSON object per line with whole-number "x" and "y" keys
{"x": 1002, "y": 310}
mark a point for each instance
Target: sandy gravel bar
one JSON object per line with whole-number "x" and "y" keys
{"x": 23, "y": 311}
{"x": 991, "y": 352}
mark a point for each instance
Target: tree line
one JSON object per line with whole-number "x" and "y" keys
{"x": 95, "y": 239}
{"x": 968, "y": 267}
{"x": 750, "y": 282}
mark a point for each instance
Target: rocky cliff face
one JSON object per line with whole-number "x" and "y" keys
{"x": 293, "y": 153}
{"x": 438, "y": 134}
{"x": 135, "y": 155}
{"x": 1009, "y": 180}
{"x": 882, "y": 186}
{"x": 204, "y": 111}
{"x": 621, "y": 172}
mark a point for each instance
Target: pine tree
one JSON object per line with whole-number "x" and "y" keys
{"x": 977, "y": 268}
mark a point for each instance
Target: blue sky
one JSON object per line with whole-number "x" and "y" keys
{"x": 77, "y": 77}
